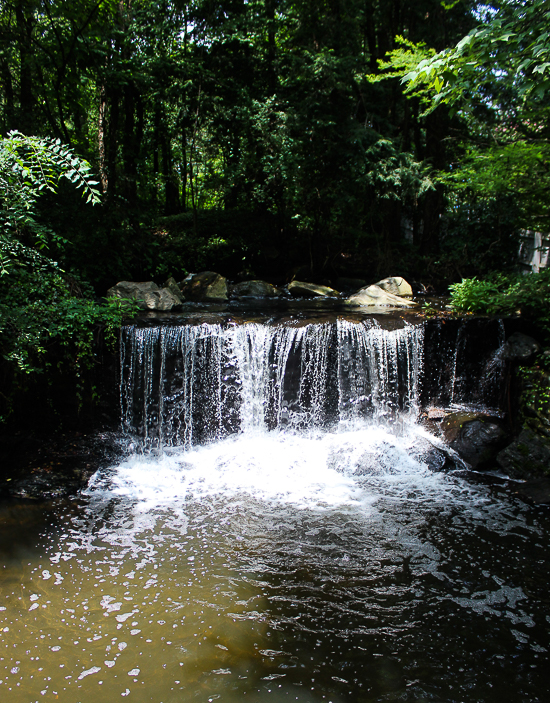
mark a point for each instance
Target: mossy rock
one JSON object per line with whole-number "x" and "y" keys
{"x": 478, "y": 442}
{"x": 453, "y": 422}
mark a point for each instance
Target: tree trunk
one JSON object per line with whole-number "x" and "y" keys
{"x": 9, "y": 111}
{"x": 370, "y": 33}
{"x": 23, "y": 14}
{"x": 112, "y": 147}
{"x": 156, "y": 149}
{"x": 129, "y": 146}
{"x": 171, "y": 199}
{"x": 183, "y": 170}
{"x": 140, "y": 128}
{"x": 271, "y": 47}
{"x": 102, "y": 140}
{"x": 434, "y": 200}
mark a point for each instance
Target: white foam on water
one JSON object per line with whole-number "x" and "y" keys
{"x": 349, "y": 466}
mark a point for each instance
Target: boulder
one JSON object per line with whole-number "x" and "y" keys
{"x": 435, "y": 414}
{"x": 453, "y": 423}
{"x": 520, "y": 347}
{"x": 147, "y": 295}
{"x": 527, "y": 457}
{"x": 255, "y": 289}
{"x": 478, "y": 442}
{"x": 205, "y": 286}
{"x": 434, "y": 457}
{"x": 396, "y": 286}
{"x": 173, "y": 287}
{"x": 376, "y": 296}
{"x": 299, "y": 289}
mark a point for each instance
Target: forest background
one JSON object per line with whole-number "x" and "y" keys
{"x": 271, "y": 139}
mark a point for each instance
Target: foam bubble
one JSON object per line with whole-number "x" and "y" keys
{"x": 349, "y": 466}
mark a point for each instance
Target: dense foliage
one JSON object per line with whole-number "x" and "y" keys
{"x": 497, "y": 78}
{"x": 46, "y": 316}
{"x": 270, "y": 109}
{"x": 363, "y": 136}
{"x": 506, "y": 295}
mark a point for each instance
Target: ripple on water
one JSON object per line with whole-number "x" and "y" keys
{"x": 331, "y": 566}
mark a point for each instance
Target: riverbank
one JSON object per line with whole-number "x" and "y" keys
{"x": 45, "y": 466}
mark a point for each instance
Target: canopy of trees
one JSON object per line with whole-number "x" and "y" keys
{"x": 270, "y": 136}
{"x": 263, "y": 137}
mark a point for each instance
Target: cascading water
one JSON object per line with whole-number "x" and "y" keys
{"x": 466, "y": 367}
{"x": 379, "y": 370}
{"x": 183, "y": 385}
{"x": 285, "y": 539}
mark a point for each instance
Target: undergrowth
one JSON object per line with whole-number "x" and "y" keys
{"x": 507, "y": 294}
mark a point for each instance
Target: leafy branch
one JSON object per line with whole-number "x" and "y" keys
{"x": 28, "y": 167}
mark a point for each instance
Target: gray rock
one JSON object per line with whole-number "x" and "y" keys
{"x": 453, "y": 422}
{"x": 527, "y": 457}
{"x": 397, "y": 286}
{"x": 436, "y": 414}
{"x": 173, "y": 287}
{"x": 205, "y": 286}
{"x": 478, "y": 442}
{"x": 147, "y": 295}
{"x": 520, "y": 347}
{"x": 435, "y": 458}
{"x": 299, "y": 289}
{"x": 255, "y": 289}
{"x": 376, "y": 296}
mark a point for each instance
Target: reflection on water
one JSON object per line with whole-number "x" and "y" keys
{"x": 300, "y": 567}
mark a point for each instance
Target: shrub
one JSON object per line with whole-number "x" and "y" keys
{"x": 528, "y": 295}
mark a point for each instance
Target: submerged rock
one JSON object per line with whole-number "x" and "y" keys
{"x": 147, "y": 295}
{"x": 396, "y": 285}
{"x": 255, "y": 289}
{"x": 435, "y": 458}
{"x": 374, "y": 295}
{"x": 299, "y": 289}
{"x": 528, "y": 456}
{"x": 46, "y": 467}
{"x": 536, "y": 492}
{"x": 205, "y": 286}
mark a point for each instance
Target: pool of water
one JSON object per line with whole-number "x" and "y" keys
{"x": 277, "y": 566}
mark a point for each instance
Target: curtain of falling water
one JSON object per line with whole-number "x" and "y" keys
{"x": 188, "y": 384}
{"x": 378, "y": 370}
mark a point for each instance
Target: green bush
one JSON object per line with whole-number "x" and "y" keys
{"x": 47, "y": 320}
{"x": 528, "y": 295}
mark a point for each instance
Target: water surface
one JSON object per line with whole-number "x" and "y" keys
{"x": 329, "y": 565}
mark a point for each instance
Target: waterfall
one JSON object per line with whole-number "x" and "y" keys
{"x": 464, "y": 364}
{"x": 379, "y": 370}
{"x": 183, "y": 385}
